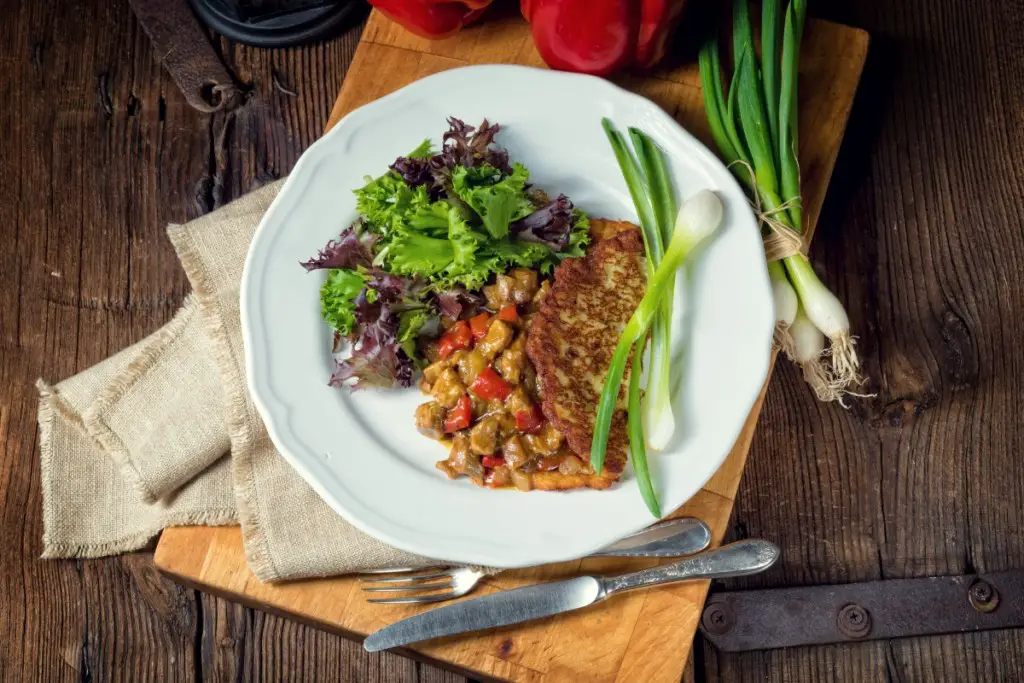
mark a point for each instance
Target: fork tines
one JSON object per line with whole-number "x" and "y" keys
{"x": 408, "y": 581}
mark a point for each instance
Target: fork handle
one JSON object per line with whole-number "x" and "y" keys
{"x": 736, "y": 559}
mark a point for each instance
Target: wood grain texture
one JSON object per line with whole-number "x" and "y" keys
{"x": 100, "y": 152}
{"x": 642, "y": 636}
{"x": 925, "y": 217}
{"x": 922, "y": 237}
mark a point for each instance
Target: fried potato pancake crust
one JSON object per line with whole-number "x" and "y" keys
{"x": 574, "y": 333}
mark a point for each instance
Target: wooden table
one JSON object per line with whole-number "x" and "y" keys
{"x": 922, "y": 235}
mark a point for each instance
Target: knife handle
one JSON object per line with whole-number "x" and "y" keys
{"x": 736, "y": 559}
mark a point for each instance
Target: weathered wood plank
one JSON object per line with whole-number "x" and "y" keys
{"x": 924, "y": 219}
{"x": 922, "y": 237}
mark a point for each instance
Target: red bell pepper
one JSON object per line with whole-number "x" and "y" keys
{"x": 489, "y": 385}
{"x": 492, "y": 461}
{"x": 460, "y": 336}
{"x": 432, "y": 19}
{"x": 508, "y": 313}
{"x": 460, "y": 416}
{"x": 479, "y": 324}
{"x": 530, "y": 420}
{"x": 601, "y": 36}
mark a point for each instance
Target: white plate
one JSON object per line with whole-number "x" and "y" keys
{"x": 362, "y": 453}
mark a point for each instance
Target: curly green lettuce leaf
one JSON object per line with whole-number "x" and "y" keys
{"x": 424, "y": 150}
{"x": 337, "y": 298}
{"x": 579, "y": 237}
{"x": 497, "y": 199}
{"x": 386, "y": 198}
{"x": 411, "y": 325}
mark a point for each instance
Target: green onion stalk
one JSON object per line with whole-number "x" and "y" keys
{"x": 650, "y": 421}
{"x": 698, "y": 219}
{"x": 755, "y": 129}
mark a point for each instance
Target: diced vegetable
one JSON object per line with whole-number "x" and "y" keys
{"x": 499, "y": 335}
{"x": 508, "y": 313}
{"x": 460, "y": 416}
{"x": 492, "y": 461}
{"x": 448, "y": 388}
{"x": 471, "y": 363}
{"x": 530, "y": 420}
{"x": 430, "y": 417}
{"x": 479, "y": 324}
{"x": 460, "y": 336}
{"x": 548, "y": 463}
{"x": 483, "y": 436}
{"x": 489, "y": 385}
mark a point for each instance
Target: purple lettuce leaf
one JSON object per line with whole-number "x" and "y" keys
{"x": 387, "y": 368}
{"x": 453, "y": 302}
{"x": 414, "y": 172}
{"x": 463, "y": 145}
{"x": 550, "y": 225}
{"x": 352, "y": 249}
{"x": 468, "y": 146}
{"x": 377, "y": 358}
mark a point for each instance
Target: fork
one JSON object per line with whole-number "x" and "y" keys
{"x": 674, "y": 538}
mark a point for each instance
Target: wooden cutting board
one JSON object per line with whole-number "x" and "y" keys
{"x": 643, "y": 636}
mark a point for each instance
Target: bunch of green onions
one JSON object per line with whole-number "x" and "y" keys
{"x": 755, "y": 129}
{"x": 668, "y": 241}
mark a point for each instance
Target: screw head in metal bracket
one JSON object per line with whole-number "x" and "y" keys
{"x": 853, "y": 621}
{"x": 718, "y": 618}
{"x": 982, "y": 596}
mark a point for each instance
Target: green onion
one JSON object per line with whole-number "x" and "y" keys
{"x": 767, "y": 114}
{"x": 637, "y": 190}
{"x": 698, "y": 219}
{"x": 783, "y": 294}
{"x": 659, "y": 419}
{"x": 635, "y": 427}
{"x": 806, "y": 349}
{"x": 714, "y": 102}
{"x": 789, "y": 163}
{"x": 770, "y": 36}
{"x": 652, "y": 161}
{"x": 652, "y": 195}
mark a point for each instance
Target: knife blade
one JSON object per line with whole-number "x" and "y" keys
{"x": 547, "y": 599}
{"x": 674, "y": 538}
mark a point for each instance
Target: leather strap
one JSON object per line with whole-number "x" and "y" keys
{"x": 737, "y": 621}
{"x": 184, "y": 48}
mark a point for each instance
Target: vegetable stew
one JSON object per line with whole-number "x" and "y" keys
{"x": 484, "y": 399}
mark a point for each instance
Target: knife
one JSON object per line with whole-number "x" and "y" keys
{"x": 674, "y": 538}
{"x": 547, "y": 599}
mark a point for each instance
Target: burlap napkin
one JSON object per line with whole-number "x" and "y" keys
{"x": 137, "y": 443}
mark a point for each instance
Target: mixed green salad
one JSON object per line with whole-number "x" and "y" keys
{"x": 432, "y": 232}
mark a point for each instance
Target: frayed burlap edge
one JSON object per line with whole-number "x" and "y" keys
{"x": 120, "y": 384}
{"x": 254, "y": 541}
{"x": 52, "y": 404}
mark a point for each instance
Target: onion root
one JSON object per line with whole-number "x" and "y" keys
{"x": 845, "y": 363}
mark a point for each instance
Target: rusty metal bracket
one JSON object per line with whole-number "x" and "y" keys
{"x": 815, "y": 615}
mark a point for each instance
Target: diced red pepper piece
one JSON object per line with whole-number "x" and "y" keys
{"x": 479, "y": 324}
{"x": 456, "y": 338}
{"x": 489, "y": 385}
{"x": 508, "y": 313}
{"x": 460, "y": 416}
{"x": 530, "y": 420}
{"x": 492, "y": 461}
